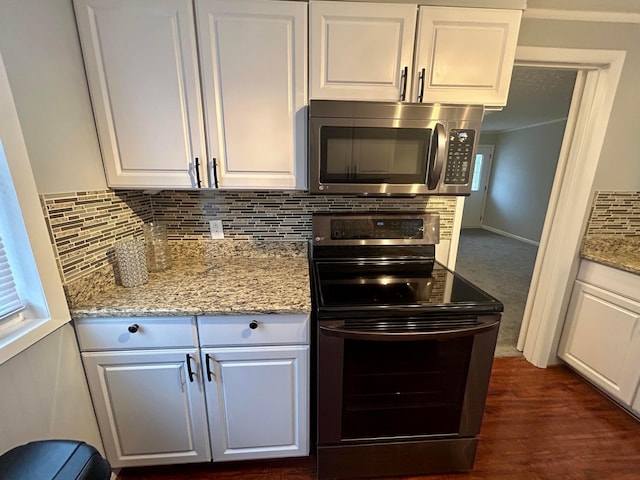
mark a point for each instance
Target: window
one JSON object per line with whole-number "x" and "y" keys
{"x": 10, "y": 303}
{"x": 477, "y": 173}
{"x": 27, "y": 262}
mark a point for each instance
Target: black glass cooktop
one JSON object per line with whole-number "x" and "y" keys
{"x": 414, "y": 286}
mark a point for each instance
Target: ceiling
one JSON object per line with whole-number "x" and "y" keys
{"x": 536, "y": 95}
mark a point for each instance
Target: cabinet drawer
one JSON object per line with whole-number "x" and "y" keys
{"x": 268, "y": 329}
{"x": 146, "y": 332}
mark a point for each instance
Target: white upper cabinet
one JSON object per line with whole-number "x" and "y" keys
{"x": 253, "y": 66}
{"x": 361, "y": 51}
{"x": 465, "y": 54}
{"x": 142, "y": 68}
{"x": 372, "y": 51}
{"x": 154, "y": 124}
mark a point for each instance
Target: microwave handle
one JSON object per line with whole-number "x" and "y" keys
{"x": 437, "y": 153}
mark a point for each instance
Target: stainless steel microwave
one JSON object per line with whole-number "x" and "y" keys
{"x": 389, "y": 148}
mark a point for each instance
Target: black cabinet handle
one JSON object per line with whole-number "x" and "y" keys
{"x": 421, "y": 79}
{"x": 198, "y": 182}
{"x": 215, "y": 173}
{"x": 133, "y": 328}
{"x": 253, "y": 325}
{"x": 403, "y": 79}
{"x": 207, "y": 357}
{"x": 189, "y": 370}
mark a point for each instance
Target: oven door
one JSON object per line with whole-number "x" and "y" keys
{"x": 408, "y": 379}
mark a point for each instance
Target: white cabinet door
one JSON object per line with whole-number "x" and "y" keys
{"x": 258, "y": 401}
{"x": 142, "y": 67}
{"x": 465, "y": 55}
{"x": 149, "y": 410}
{"x": 253, "y": 64}
{"x": 601, "y": 340}
{"x": 360, "y": 51}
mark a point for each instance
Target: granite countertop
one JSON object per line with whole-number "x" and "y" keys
{"x": 619, "y": 252}
{"x": 206, "y": 278}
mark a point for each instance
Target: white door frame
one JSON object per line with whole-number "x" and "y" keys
{"x": 571, "y": 195}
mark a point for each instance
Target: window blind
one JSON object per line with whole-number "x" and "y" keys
{"x": 9, "y": 300}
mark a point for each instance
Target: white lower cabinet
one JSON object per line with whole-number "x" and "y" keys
{"x": 148, "y": 409}
{"x": 256, "y": 384}
{"x": 257, "y": 401}
{"x": 149, "y": 377}
{"x": 601, "y": 336}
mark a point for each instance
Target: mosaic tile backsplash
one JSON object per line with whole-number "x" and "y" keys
{"x": 85, "y": 225}
{"x": 615, "y": 213}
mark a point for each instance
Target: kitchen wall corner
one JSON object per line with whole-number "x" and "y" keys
{"x": 84, "y": 226}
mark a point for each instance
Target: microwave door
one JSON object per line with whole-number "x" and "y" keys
{"x": 369, "y": 156}
{"x": 437, "y": 152}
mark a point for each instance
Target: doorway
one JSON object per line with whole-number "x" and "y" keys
{"x": 558, "y": 258}
{"x": 504, "y": 215}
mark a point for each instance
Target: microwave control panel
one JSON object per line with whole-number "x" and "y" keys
{"x": 459, "y": 156}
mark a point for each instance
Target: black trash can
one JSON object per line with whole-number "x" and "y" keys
{"x": 54, "y": 460}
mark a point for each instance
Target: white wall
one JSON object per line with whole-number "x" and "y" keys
{"x": 522, "y": 173}
{"x": 45, "y": 395}
{"x": 619, "y": 168}
{"x": 41, "y": 52}
{"x": 44, "y": 391}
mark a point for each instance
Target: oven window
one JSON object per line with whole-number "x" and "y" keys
{"x": 374, "y": 154}
{"x": 403, "y": 388}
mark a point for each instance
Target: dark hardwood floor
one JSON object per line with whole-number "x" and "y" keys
{"x": 538, "y": 424}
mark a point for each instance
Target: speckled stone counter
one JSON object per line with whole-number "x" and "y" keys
{"x": 619, "y": 252}
{"x": 206, "y": 278}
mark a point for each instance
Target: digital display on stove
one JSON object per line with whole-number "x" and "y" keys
{"x": 377, "y": 228}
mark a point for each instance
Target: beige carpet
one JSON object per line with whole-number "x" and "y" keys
{"x": 501, "y": 266}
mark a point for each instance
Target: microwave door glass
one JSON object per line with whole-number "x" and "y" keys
{"x": 374, "y": 155}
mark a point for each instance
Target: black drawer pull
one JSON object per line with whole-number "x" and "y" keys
{"x": 253, "y": 325}
{"x": 133, "y": 328}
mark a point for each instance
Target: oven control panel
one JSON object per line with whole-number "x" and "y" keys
{"x": 376, "y": 229}
{"x": 459, "y": 156}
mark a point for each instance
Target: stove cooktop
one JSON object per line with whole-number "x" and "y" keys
{"x": 383, "y": 264}
{"x": 396, "y": 286}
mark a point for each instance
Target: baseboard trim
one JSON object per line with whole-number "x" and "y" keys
{"x": 510, "y": 235}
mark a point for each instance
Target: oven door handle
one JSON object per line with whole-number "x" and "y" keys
{"x": 330, "y": 328}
